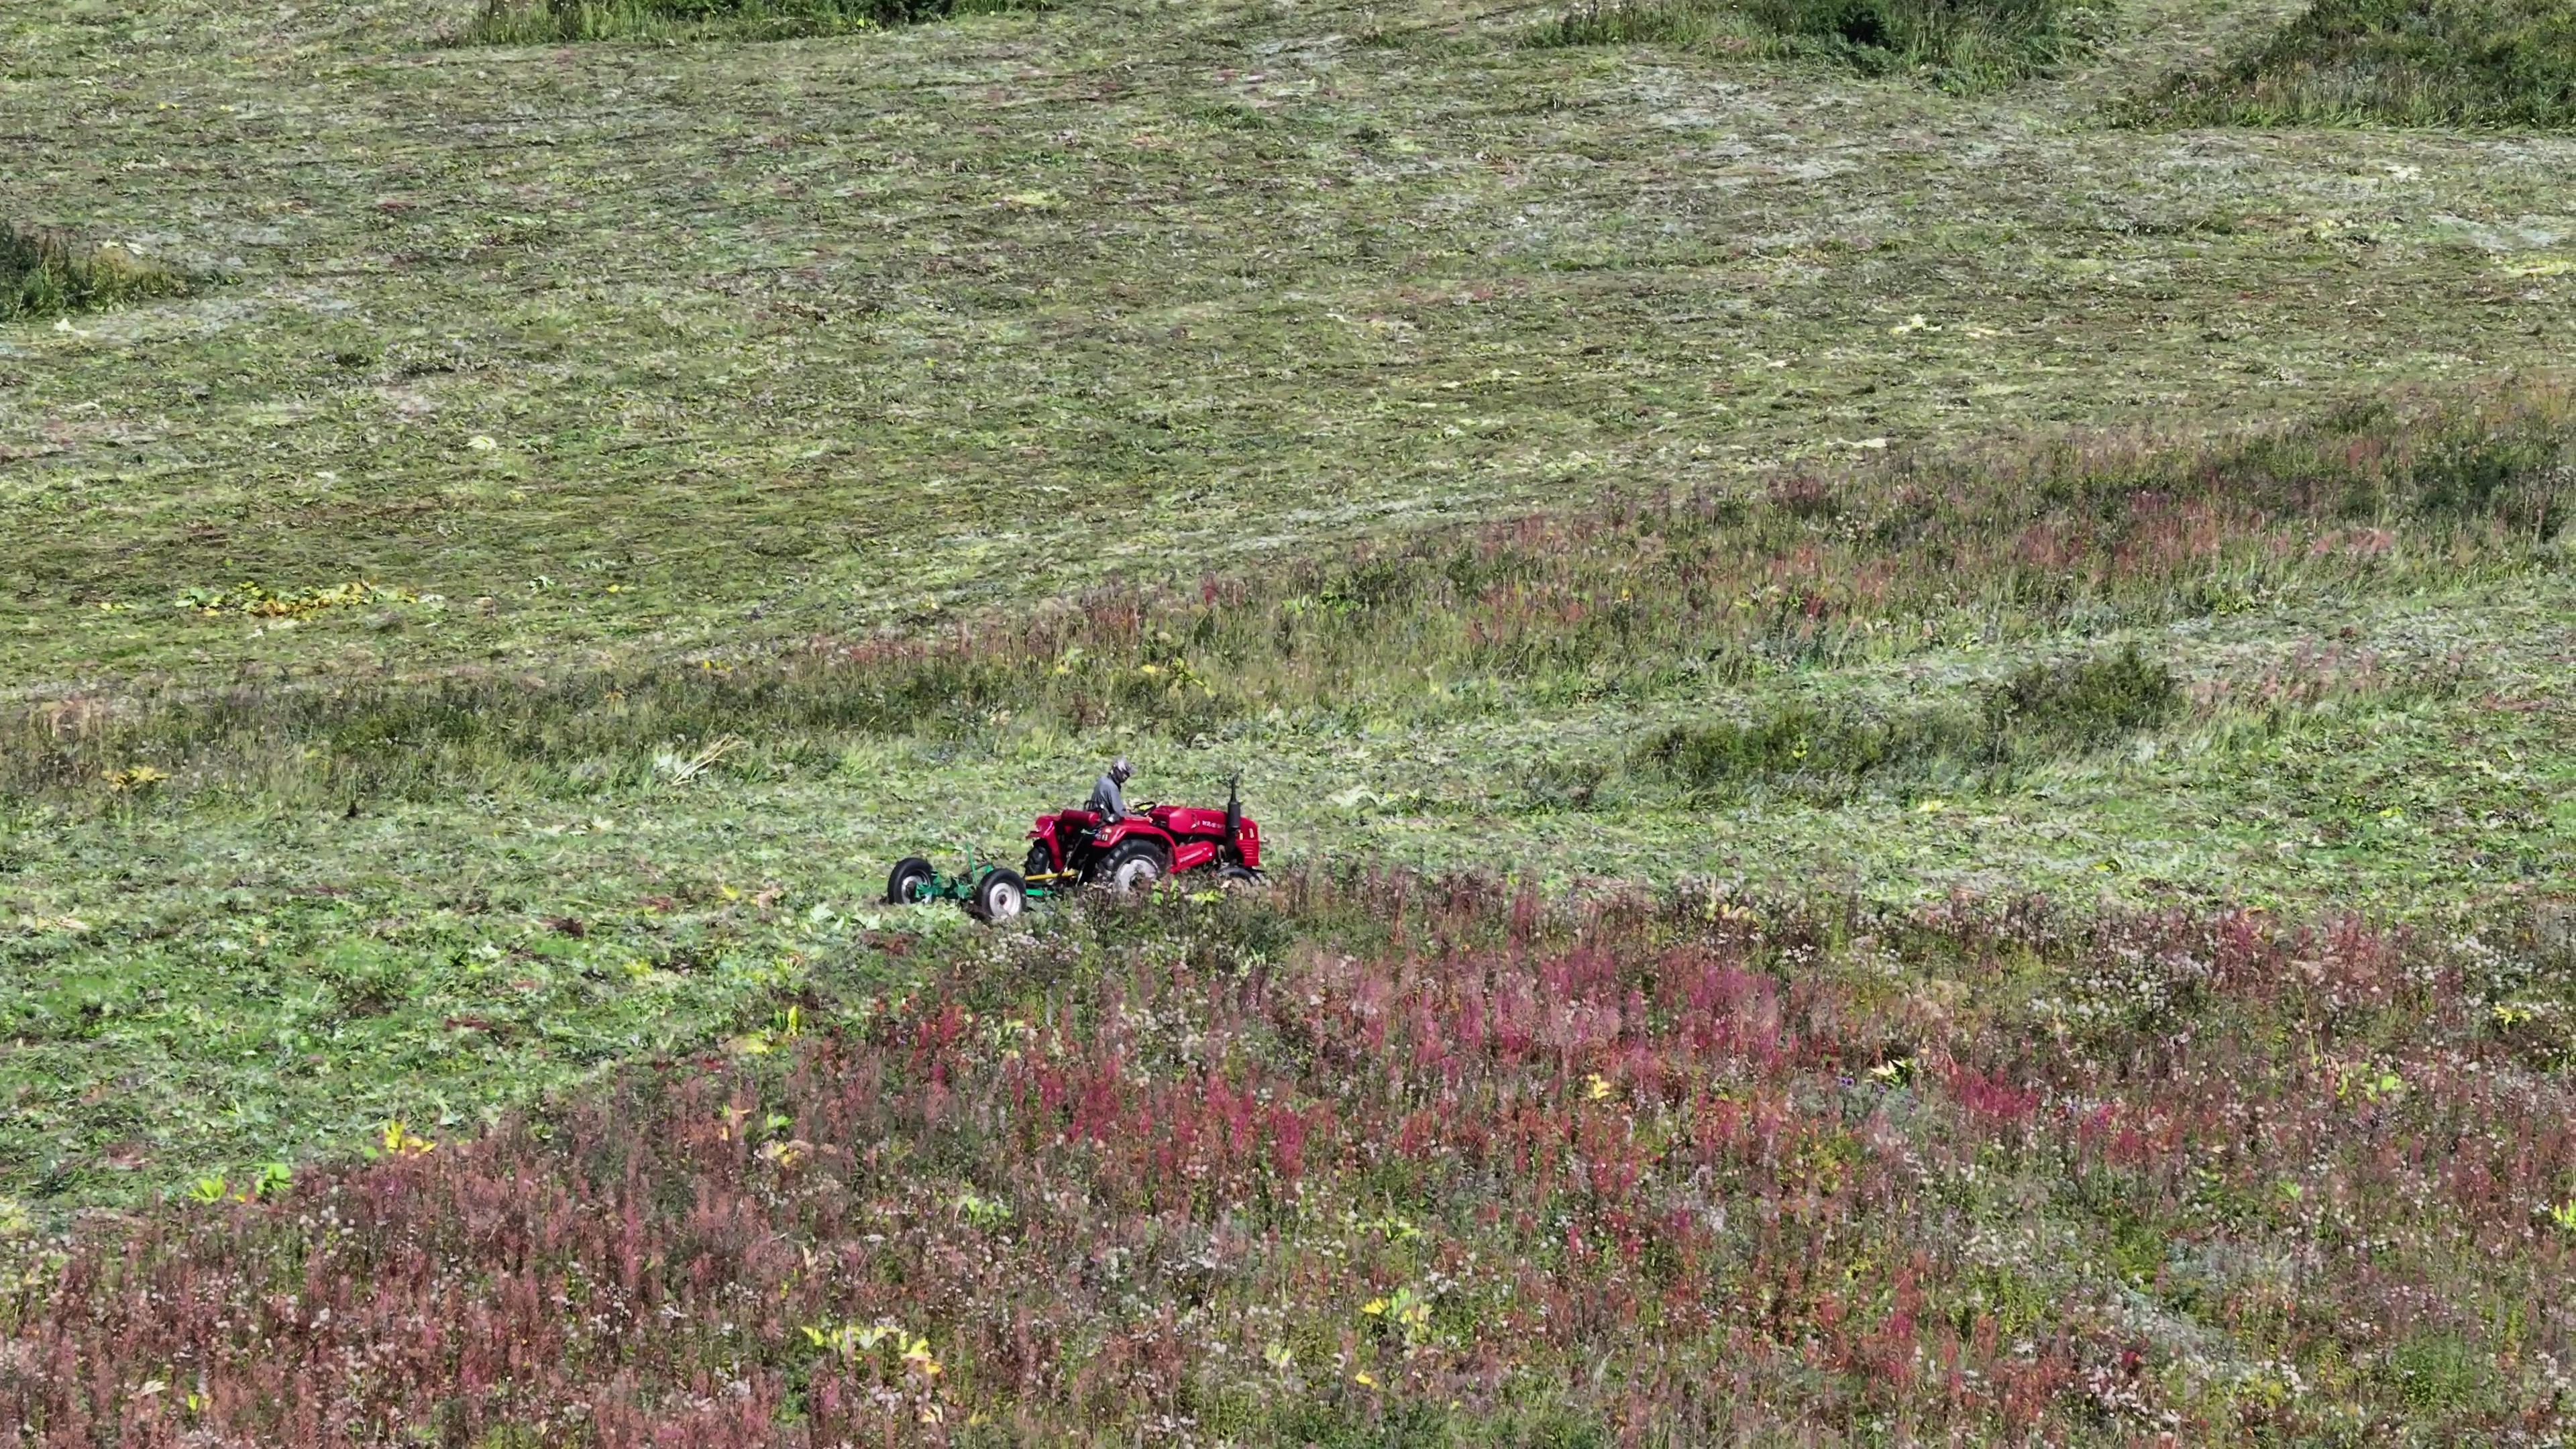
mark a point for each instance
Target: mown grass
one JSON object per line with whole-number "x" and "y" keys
{"x": 794, "y": 341}
{"x": 2479, "y": 63}
{"x": 1961, "y": 45}
{"x": 540, "y": 22}
{"x": 1396, "y": 1158}
{"x": 45, "y": 273}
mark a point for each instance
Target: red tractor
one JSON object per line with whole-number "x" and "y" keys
{"x": 1070, "y": 848}
{"x": 1154, "y": 841}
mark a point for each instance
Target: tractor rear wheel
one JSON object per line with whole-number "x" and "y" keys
{"x": 909, "y": 882}
{"x": 999, "y": 896}
{"x": 1134, "y": 868}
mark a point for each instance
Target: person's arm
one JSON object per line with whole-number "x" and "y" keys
{"x": 1117, "y": 801}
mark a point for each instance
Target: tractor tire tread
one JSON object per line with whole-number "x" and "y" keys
{"x": 1127, "y": 852}
{"x": 910, "y": 868}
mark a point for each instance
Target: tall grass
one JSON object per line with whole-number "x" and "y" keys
{"x": 46, "y": 273}
{"x": 2498, "y": 63}
{"x": 1959, "y": 44}
{"x": 1640, "y": 22}
{"x": 1637, "y": 598}
{"x": 1439, "y": 1167}
{"x": 530, "y": 22}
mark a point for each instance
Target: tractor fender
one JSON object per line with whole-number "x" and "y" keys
{"x": 1190, "y": 855}
{"x": 1125, "y": 830}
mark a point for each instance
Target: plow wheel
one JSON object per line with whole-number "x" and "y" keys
{"x": 999, "y": 896}
{"x": 1134, "y": 868}
{"x": 909, "y": 882}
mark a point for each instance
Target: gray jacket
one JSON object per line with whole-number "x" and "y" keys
{"x": 1108, "y": 801}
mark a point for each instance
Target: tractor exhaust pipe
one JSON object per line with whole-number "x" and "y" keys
{"x": 1233, "y": 814}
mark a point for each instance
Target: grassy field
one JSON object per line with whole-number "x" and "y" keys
{"x": 2064, "y": 627}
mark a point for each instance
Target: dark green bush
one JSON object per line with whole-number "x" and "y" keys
{"x": 1806, "y": 750}
{"x": 523, "y": 22}
{"x": 2395, "y": 62}
{"x": 43, "y": 274}
{"x": 1959, "y": 44}
{"x": 1964, "y": 44}
{"x": 2046, "y": 710}
{"x": 2080, "y": 706}
{"x": 1628, "y": 22}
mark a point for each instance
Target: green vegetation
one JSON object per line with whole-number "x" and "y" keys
{"x": 2483, "y": 63}
{"x": 525, "y": 22}
{"x": 2067, "y": 623}
{"x": 1637, "y": 22}
{"x": 45, "y": 274}
{"x": 2082, "y": 705}
{"x": 1963, "y": 45}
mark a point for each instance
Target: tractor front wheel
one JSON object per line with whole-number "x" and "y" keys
{"x": 1000, "y": 895}
{"x": 909, "y": 882}
{"x": 1134, "y": 868}
{"x": 1039, "y": 862}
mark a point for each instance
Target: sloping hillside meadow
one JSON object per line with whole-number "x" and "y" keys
{"x": 1398, "y": 1163}
{"x": 1908, "y": 666}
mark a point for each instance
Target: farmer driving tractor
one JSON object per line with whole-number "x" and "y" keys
{"x": 1107, "y": 799}
{"x": 1104, "y": 844}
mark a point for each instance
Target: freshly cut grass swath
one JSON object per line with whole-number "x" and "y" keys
{"x": 521, "y": 22}
{"x": 2487, "y": 63}
{"x": 1443, "y": 1168}
{"x": 45, "y": 273}
{"x": 1634, "y": 599}
{"x": 1958, "y": 44}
